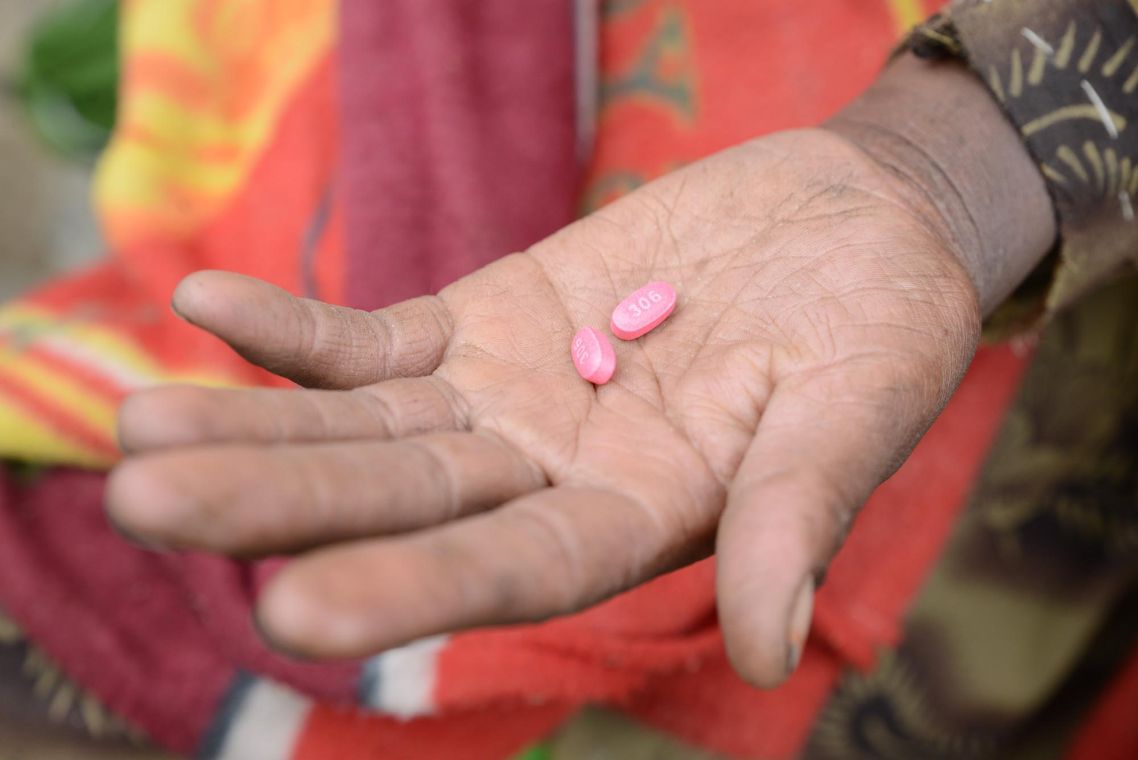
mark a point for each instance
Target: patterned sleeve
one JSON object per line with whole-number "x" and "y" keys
{"x": 1066, "y": 74}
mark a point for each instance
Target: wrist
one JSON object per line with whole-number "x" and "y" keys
{"x": 936, "y": 128}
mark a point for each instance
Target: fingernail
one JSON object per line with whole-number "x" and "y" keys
{"x": 799, "y": 624}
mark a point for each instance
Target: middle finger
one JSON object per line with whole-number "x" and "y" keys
{"x": 252, "y": 500}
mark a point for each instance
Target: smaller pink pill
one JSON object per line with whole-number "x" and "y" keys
{"x": 593, "y": 356}
{"x": 643, "y": 310}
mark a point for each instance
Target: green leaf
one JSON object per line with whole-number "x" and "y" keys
{"x": 68, "y": 76}
{"x": 537, "y": 752}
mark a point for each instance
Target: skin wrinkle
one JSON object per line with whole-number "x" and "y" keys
{"x": 945, "y": 231}
{"x": 322, "y": 423}
{"x": 608, "y": 275}
{"x": 306, "y": 332}
{"x": 548, "y": 282}
{"x": 850, "y": 495}
{"x": 674, "y": 553}
{"x": 444, "y": 322}
{"x": 669, "y": 219}
{"x": 384, "y": 335}
{"x": 802, "y": 379}
{"x": 318, "y": 494}
{"x": 447, "y": 479}
{"x": 689, "y": 533}
{"x": 454, "y": 401}
{"x": 688, "y": 483}
{"x": 381, "y": 411}
{"x": 841, "y": 215}
{"x": 562, "y": 574}
{"x": 821, "y": 328}
{"x": 642, "y": 349}
{"x": 794, "y": 218}
{"x": 321, "y": 494}
{"x": 538, "y": 477}
{"x": 328, "y": 347}
{"x": 406, "y": 418}
{"x": 830, "y": 524}
{"x": 412, "y": 335}
{"x": 747, "y": 427}
{"x": 718, "y": 322}
{"x": 546, "y": 465}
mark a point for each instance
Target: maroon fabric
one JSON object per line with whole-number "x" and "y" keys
{"x": 222, "y": 592}
{"x": 458, "y": 137}
{"x": 159, "y": 638}
{"x": 112, "y": 616}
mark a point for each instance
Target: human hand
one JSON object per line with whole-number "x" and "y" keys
{"x": 453, "y": 470}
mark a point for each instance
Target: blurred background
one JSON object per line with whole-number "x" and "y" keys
{"x": 54, "y": 117}
{"x": 58, "y": 69}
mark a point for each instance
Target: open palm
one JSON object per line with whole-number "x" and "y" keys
{"x": 455, "y": 471}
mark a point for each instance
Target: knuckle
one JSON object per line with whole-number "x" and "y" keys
{"x": 559, "y": 585}
{"x": 416, "y": 331}
{"x": 385, "y": 416}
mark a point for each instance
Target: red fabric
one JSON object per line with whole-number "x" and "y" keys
{"x": 479, "y": 735}
{"x": 459, "y": 135}
{"x": 751, "y": 68}
{"x": 1111, "y": 730}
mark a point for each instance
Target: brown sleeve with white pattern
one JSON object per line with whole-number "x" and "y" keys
{"x": 1066, "y": 74}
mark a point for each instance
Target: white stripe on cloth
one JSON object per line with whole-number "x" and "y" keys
{"x": 267, "y": 724}
{"x": 401, "y": 682}
{"x": 125, "y": 378}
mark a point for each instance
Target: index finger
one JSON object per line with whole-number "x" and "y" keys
{"x": 315, "y": 344}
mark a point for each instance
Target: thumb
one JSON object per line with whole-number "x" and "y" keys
{"x": 825, "y": 441}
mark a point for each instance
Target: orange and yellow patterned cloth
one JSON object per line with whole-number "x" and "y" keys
{"x": 226, "y": 141}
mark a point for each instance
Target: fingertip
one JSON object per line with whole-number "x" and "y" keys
{"x": 772, "y": 541}
{"x": 143, "y": 420}
{"x": 126, "y": 424}
{"x": 270, "y": 638}
{"x": 214, "y": 298}
{"x": 165, "y": 417}
{"x": 755, "y": 634}
{"x": 135, "y": 505}
{"x": 765, "y": 653}
{"x": 298, "y": 616}
{"x": 190, "y": 293}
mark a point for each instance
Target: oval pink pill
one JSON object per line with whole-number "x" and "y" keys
{"x": 593, "y": 356}
{"x": 643, "y": 310}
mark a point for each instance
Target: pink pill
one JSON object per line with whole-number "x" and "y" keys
{"x": 642, "y": 311}
{"x": 593, "y": 356}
